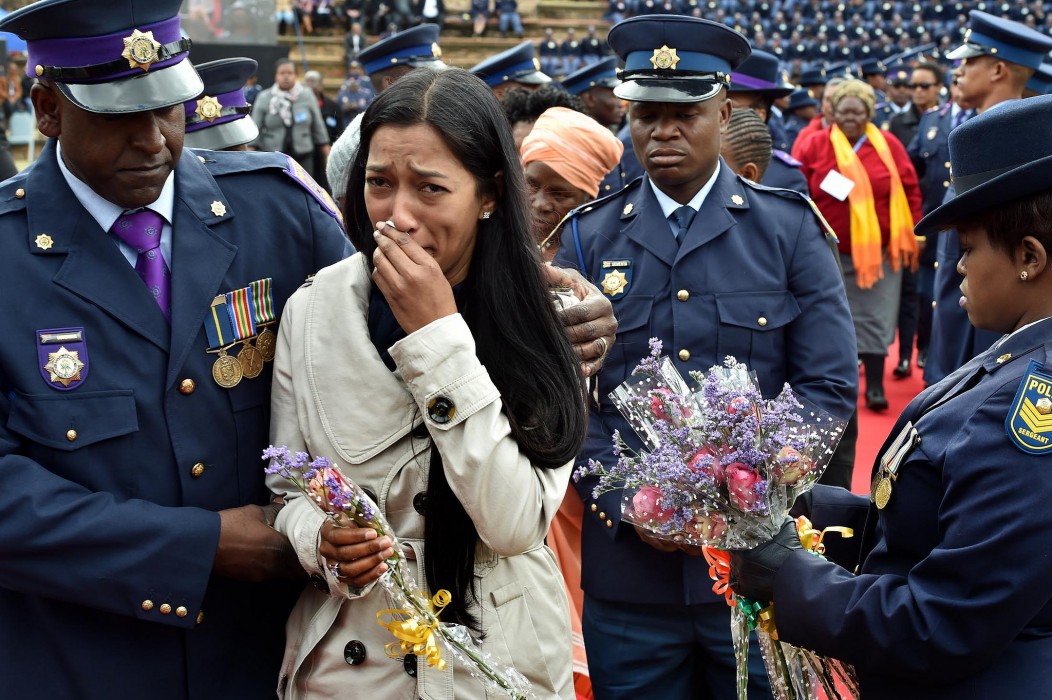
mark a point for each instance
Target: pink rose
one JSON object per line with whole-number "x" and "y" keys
{"x": 707, "y": 462}
{"x": 791, "y": 465}
{"x": 647, "y": 504}
{"x": 666, "y": 408}
{"x": 741, "y": 485}
{"x": 740, "y": 404}
{"x": 710, "y": 528}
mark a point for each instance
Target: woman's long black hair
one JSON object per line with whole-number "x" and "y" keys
{"x": 504, "y": 301}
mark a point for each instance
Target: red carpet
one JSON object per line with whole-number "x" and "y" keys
{"x": 873, "y": 427}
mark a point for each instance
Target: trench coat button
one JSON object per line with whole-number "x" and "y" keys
{"x": 683, "y": 295}
{"x": 147, "y": 605}
{"x": 197, "y": 470}
{"x": 420, "y": 503}
{"x": 71, "y": 435}
{"x": 181, "y": 611}
{"x": 684, "y": 355}
{"x": 371, "y": 494}
{"x": 354, "y": 652}
{"x": 187, "y": 386}
{"x": 318, "y": 581}
{"x": 420, "y": 432}
{"x": 441, "y": 410}
{"x": 762, "y": 322}
{"x": 165, "y": 608}
{"x": 409, "y": 665}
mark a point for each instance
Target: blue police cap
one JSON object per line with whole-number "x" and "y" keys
{"x": 1004, "y": 39}
{"x": 218, "y": 118}
{"x": 109, "y": 56}
{"x": 1001, "y": 155}
{"x": 516, "y": 65}
{"x": 839, "y": 70}
{"x": 1041, "y": 81}
{"x": 600, "y": 74}
{"x": 800, "y": 99}
{"x": 871, "y": 67}
{"x": 664, "y": 60}
{"x": 759, "y": 75}
{"x": 812, "y": 76}
{"x": 416, "y": 47}
{"x": 899, "y": 73}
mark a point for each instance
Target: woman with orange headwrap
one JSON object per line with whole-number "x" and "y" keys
{"x": 866, "y": 187}
{"x": 566, "y": 155}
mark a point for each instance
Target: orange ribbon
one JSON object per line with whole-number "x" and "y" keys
{"x": 720, "y": 572}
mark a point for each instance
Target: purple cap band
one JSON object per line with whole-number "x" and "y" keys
{"x": 77, "y": 52}
{"x": 747, "y": 81}
{"x": 197, "y": 126}
{"x": 226, "y": 99}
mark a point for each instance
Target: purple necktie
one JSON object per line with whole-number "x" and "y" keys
{"x": 142, "y": 231}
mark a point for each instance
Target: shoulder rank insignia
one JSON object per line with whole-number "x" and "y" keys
{"x": 617, "y": 277}
{"x": 1029, "y": 424}
{"x": 63, "y": 355}
{"x": 297, "y": 173}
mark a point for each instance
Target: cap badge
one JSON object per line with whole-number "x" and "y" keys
{"x": 44, "y": 241}
{"x": 218, "y": 208}
{"x": 664, "y": 58}
{"x": 64, "y": 366}
{"x": 209, "y": 109}
{"x": 141, "y": 49}
{"x": 436, "y": 51}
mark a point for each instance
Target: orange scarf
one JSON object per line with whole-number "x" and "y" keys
{"x": 865, "y": 227}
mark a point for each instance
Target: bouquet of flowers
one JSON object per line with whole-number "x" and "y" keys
{"x": 415, "y": 622}
{"x": 721, "y": 469}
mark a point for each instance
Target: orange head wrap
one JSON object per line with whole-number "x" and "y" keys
{"x": 574, "y": 145}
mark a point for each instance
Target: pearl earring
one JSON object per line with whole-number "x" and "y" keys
{"x": 1023, "y": 275}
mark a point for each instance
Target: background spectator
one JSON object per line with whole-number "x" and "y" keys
{"x": 289, "y": 120}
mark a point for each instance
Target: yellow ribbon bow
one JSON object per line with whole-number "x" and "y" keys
{"x": 415, "y": 632}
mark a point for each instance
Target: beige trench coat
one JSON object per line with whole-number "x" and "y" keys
{"x": 333, "y": 396}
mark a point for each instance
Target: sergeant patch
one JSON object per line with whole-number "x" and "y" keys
{"x": 617, "y": 277}
{"x": 63, "y": 355}
{"x": 297, "y": 173}
{"x": 1029, "y": 424}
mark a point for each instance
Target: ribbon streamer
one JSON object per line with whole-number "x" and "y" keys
{"x": 415, "y": 632}
{"x": 811, "y": 538}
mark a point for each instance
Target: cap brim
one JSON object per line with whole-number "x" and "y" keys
{"x": 667, "y": 90}
{"x": 225, "y": 135}
{"x": 151, "y": 90}
{"x": 1029, "y": 179}
{"x": 773, "y": 93}
{"x": 534, "y": 78}
{"x": 965, "y": 51}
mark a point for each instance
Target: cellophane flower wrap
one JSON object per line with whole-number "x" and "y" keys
{"x": 720, "y": 468}
{"x": 414, "y": 622}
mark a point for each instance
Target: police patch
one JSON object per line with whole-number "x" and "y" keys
{"x": 616, "y": 277}
{"x": 1029, "y": 424}
{"x": 63, "y": 355}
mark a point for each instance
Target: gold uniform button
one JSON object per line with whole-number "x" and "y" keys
{"x": 200, "y": 616}
{"x": 609, "y": 523}
{"x": 762, "y": 322}
{"x": 602, "y": 515}
{"x": 936, "y": 264}
{"x": 933, "y": 305}
{"x": 181, "y": 611}
{"x": 197, "y": 470}
{"x": 165, "y": 608}
{"x": 187, "y": 386}
{"x": 948, "y": 166}
{"x": 683, "y": 295}
{"x": 147, "y": 605}
{"x": 684, "y": 355}
{"x": 71, "y": 435}
{"x": 594, "y": 507}
{"x": 945, "y": 183}
{"x": 20, "y": 193}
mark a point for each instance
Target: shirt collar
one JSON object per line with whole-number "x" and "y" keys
{"x": 669, "y": 205}
{"x": 106, "y": 212}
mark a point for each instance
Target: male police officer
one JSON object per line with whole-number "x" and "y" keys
{"x": 137, "y": 560}
{"x": 1000, "y": 56}
{"x": 516, "y": 67}
{"x": 219, "y": 118}
{"x": 714, "y": 266}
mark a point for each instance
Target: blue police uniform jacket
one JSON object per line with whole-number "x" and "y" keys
{"x": 930, "y": 152}
{"x": 784, "y": 172}
{"x": 954, "y": 594}
{"x": 109, "y": 531}
{"x": 630, "y": 165}
{"x": 753, "y": 278}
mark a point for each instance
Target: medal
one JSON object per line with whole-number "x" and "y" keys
{"x": 251, "y": 360}
{"x": 265, "y": 342}
{"x": 226, "y": 371}
{"x": 892, "y": 459}
{"x": 883, "y": 493}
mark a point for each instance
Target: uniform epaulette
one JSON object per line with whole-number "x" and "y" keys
{"x": 596, "y": 203}
{"x": 933, "y": 108}
{"x": 221, "y": 163}
{"x": 13, "y": 194}
{"x": 827, "y": 230}
{"x": 786, "y": 158}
